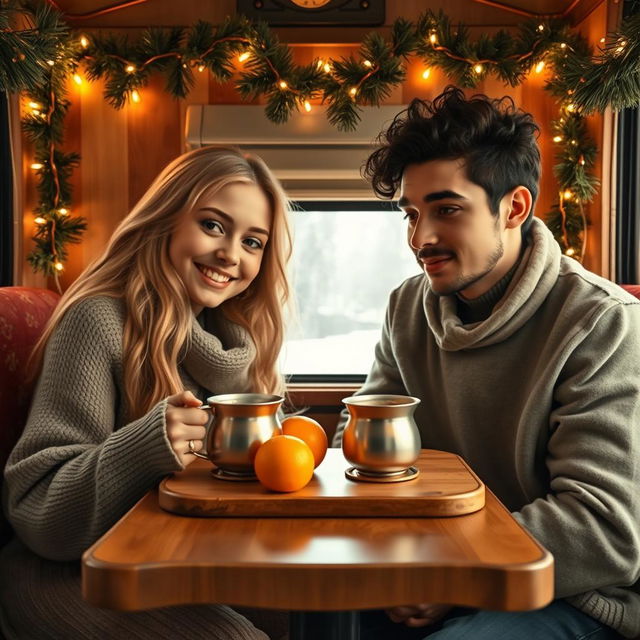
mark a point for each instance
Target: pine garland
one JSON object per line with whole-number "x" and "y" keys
{"x": 580, "y": 82}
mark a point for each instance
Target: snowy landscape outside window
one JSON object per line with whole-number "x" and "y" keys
{"x": 347, "y": 258}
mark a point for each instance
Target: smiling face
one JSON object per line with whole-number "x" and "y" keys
{"x": 459, "y": 243}
{"x": 218, "y": 244}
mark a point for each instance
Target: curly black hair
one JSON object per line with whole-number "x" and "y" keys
{"x": 497, "y": 142}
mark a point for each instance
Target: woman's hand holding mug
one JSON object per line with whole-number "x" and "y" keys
{"x": 185, "y": 423}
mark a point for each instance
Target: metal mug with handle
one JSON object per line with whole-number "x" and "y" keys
{"x": 241, "y": 423}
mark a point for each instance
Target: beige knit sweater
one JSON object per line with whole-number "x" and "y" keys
{"x": 543, "y": 400}
{"x": 79, "y": 465}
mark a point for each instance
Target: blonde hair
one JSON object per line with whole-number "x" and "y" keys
{"x": 135, "y": 267}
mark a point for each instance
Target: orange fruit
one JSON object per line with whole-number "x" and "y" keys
{"x": 284, "y": 463}
{"x": 311, "y": 432}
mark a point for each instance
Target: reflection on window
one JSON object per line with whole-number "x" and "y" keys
{"x": 345, "y": 263}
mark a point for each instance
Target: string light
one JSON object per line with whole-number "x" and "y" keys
{"x": 621, "y": 45}
{"x": 35, "y": 105}
{"x": 570, "y": 251}
{"x": 135, "y": 96}
{"x": 478, "y": 68}
{"x": 368, "y": 64}
{"x": 571, "y": 107}
{"x": 540, "y": 66}
{"x": 353, "y": 91}
{"x": 40, "y": 220}
{"x": 307, "y": 106}
{"x": 36, "y": 165}
{"x": 84, "y": 41}
{"x": 540, "y": 27}
{"x": 77, "y": 79}
{"x": 557, "y": 138}
{"x": 35, "y": 112}
{"x": 426, "y": 73}
{"x": 567, "y": 194}
{"x": 574, "y": 143}
{"x": 320, "y": 63}
{"x": 327, "y": 67}
{"x": 603, "y": 40}
{"x": 129, "y": 68}
{"x": 201, "y": 68}
{"x": 50, "y": 63}
{"x": 283, "y": 84}
{"x": 59, "y": 266}
{"x": 243, "y": 56}
{"x": 62, "y": 211}
{"x": 433, "y": 39}
{"x": 563, "y": 45}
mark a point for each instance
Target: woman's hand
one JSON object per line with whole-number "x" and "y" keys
{"x": 185, "y": 422}
{"x": 419, "y": 615}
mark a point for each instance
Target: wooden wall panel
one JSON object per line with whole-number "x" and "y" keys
{"x": 104, "y": 197}
{"x": 154, "y": 136}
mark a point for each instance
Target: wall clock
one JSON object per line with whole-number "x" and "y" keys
{"x": 314, "y": 12}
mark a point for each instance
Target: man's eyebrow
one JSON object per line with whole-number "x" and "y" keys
{"x": 230, "y": 219}
{"x": 433, "y": 197}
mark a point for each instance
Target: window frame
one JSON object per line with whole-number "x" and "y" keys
{"x": 306, "y": 206}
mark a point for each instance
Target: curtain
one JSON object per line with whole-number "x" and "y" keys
{"x": 627, "y": 186}
{"x": 6, "y": 196}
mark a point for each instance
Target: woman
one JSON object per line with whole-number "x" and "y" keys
{"x": 185, "y": 302}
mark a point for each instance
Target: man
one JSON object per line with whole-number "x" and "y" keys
{"x": 527, "y": 365}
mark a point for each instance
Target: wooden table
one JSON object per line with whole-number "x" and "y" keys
{"x": 153, "y": 558}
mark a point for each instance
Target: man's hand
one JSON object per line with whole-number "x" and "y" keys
{"x": 419, "y": 615}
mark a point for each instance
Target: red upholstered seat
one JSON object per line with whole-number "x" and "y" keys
{"x": 24, "y": 312}
{"x": 633, "y": 289}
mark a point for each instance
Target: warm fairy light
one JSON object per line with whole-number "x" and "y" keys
{"x": 36, "y": 165}
{"x": 84, "y": 41}
{"x": 135, "y": 96}
{"x": 557, "y": 138}
{"x": 582, "y": 161}
{"x": 563, "y": 45}
{"x": 570, "y": 251}
{"x": 320, "y": 63}
{"x": 327, "y": 67}
{"x": 35, "y": 112}
{"x": 40, "y": 220}
{"x": 478, "y": 68}
{"x": 35, "y": 105}
{"x": 540, "y": 27}
{"x": 200, "y": 68}
{"x": 368, "y": 64}
{"x": 59, "y": 266}
{"x": 426, "y": 73}
{"x": 243, "y": 56}
{"x": 571, "y": 107}
{"x": 433, "y": 39}
{"x": 574, "y": 143}
{"x": 353, "y": 91}
{"x": 540, "y": 66}
{"x": 50, "y": 63}
{"x": 621, "y": 45}
{"x": 62, "y": 211}
{"x": 603, "y": 40}
{"x": 130, "y": 68}
{"x": 567, "y": 195}
{"x": 77, "y": 79}
{"x": 307, "y": 106}
{"x": 283, "y": 84}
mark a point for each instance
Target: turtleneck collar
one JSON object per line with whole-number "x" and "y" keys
{"x": 480, "y": 308}
{"x": 532, "y": 281}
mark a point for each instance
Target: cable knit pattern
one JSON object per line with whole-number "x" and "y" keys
{"x": 543, "y": 400}
{"x": 78, "y": 466}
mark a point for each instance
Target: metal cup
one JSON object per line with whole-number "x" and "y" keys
{"x": 241, "y": 423}
{"x": 381, "y": 437}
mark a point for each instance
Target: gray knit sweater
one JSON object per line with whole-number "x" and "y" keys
{"x": 543, "y": 400}
{"x": 79, "y": 465}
